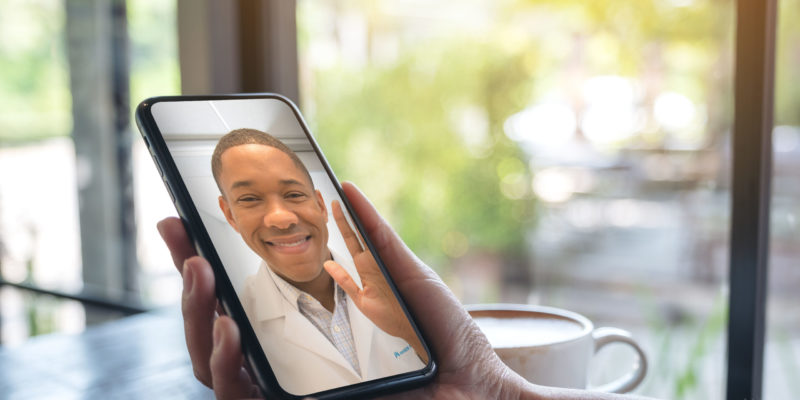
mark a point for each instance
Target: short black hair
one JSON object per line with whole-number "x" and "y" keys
{"x": 239, "y": 137}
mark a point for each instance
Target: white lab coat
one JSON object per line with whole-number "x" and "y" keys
{"x": 303, "y": 359}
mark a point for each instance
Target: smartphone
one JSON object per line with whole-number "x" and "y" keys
{"x": 318, "y": 313}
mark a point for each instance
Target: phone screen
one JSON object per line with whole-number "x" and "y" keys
{"x": 317, "y": 300}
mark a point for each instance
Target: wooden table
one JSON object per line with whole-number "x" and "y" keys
{"x": 139, "y": 357}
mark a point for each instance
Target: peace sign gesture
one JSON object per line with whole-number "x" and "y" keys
{"x": 375, "y": 299}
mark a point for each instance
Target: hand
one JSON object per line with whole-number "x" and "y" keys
{"x": 213, "y": 342}
{"x": 375, "y": 299}
{"x": 468, "y": 367}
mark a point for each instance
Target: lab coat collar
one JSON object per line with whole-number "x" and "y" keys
{"x": 272, "y": 305}
{"x": 300, "y": 331}
{"x": 269, "y": 305}
{"x": 297, "y": 328}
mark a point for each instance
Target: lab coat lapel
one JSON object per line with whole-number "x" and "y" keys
{"x": 363, "y": 330}
{"x": 266, "y": 302}
{"x": 297, "y": 329}
{"x": 300, "y": 331}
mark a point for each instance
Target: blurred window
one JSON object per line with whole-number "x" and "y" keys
{"x": 78, "y": 192}
{"x": 573, "y": 154}
{"x": 566, "y": 153}
{"x": 782, "y": 350}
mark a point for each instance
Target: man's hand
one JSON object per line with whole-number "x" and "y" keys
{"x": 375, "y": 299}
{"x": 468, "y": 367}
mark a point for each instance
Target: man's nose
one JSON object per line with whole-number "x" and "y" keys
{"x": 280, "y": 217}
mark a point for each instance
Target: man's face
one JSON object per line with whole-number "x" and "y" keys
{"x": 271, "y": 203}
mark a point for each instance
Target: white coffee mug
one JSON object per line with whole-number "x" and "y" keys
{"x": 553, "y": 347}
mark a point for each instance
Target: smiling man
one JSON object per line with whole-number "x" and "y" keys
{"x": 318, "y": 328}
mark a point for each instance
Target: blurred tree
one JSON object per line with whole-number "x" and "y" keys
{"x": 34, "y": 91}
{"x": 425, "y": 140}
{"x": 34, "y": 77}
{"x": 425, "y": 128}
{"x": 787, "y": 63}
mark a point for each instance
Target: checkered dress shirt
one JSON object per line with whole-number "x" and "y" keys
{"x": 334, "y": 325}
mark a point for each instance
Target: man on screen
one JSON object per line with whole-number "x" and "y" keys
{"x": 318, "y": 328}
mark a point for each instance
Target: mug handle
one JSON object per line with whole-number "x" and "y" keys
{"x": 628, "y": 382}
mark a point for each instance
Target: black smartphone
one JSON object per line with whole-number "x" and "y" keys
{"x": 318, "y": 313}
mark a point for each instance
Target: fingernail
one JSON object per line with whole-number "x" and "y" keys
{"x": 160, "y": 228}
{"x": 217, "y": 334}
{"x": 188, "y": 277}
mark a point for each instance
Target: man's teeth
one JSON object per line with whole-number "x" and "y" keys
{"x": 297, "y": 243}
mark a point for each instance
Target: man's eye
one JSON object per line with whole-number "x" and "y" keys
{"x": 295, "y": 195}
{"x": 248, "y": 199}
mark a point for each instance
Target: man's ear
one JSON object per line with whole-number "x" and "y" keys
{"x": 226, "y": 209}
{"x": 321, "y": 203}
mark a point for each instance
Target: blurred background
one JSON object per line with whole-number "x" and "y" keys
{"x": 566, "y": 153}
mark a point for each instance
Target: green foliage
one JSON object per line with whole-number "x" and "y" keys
{"x": 35, "y": 101}
{"x": 154, "y": 49}
{"x": 710, "y": 332}
{"x": 678, "y": 361}
{"x": 390, "y": 126}
{"x": 787, "y": 64}
{"x": 403, "y": 126}
{"x": 34, "y": 98}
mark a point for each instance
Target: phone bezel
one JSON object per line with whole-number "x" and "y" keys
{"x": 190, "y": 217}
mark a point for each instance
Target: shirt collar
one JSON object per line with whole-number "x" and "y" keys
{"x": 286, "y": 289}
{"x": 293, "y": 294}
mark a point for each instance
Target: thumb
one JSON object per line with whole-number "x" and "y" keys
{"x": 230, "y": 380}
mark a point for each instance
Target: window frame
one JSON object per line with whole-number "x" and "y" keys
{"x": 751, "y": 193}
